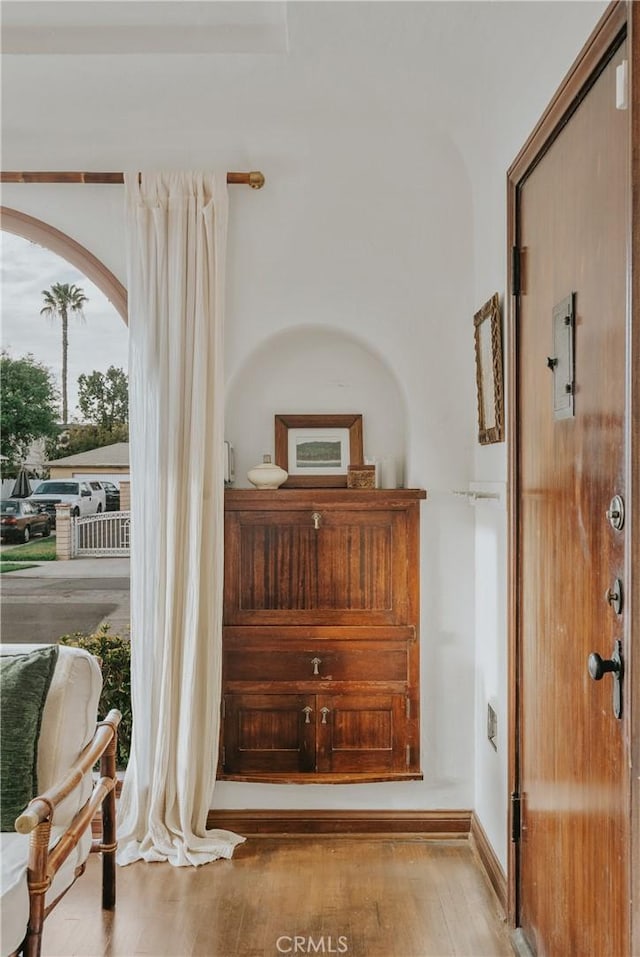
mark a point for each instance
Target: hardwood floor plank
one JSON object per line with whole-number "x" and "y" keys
{"x": 402, "y": 896}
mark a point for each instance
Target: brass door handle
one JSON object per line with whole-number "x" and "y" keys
{"x": 316, "y": 517}
{"x": 316, "y": 662}
{"x": 324, "y": 712}
{"x": 307, "y": 712}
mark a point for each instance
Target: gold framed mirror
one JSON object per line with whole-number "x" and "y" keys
{"x": 489, "y": 379}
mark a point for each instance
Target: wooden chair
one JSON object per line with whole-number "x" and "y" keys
{"x": 58, "y": 821}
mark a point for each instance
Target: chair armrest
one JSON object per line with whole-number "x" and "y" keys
{"x": 41, "y": 807}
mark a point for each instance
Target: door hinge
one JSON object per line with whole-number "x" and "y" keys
{"x": 515, "y": 271}
{"x": 224, "y": 707}
{"x": 408, "y": 707}
{"x": 224, "y": 758}
{"x": 408, "y": 752}
{"x": 516, "y": 817}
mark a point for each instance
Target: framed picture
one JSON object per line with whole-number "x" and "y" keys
{"x": 488, "y": 340}
{"x": 316, "y": 450}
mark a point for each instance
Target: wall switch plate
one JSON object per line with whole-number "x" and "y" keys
{"x": 229, "y": 465}
{"x": 492, "y": 727}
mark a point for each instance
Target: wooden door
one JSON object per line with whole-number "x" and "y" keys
{"x": 571, "y": 208}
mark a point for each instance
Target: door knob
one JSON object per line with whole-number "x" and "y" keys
{"x": 599, "y": 667}
{"x": 615, "y": 512}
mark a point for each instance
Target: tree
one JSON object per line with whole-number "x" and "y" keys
{"x": 28, "y": 407}
{"x": 82, "y": 438}
{"x": 60, "y": 301}
{"x": 103, "y": 398}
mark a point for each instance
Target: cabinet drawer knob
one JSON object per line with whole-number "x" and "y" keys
{"x": 316, "y": 517}
{"x": 316, "y": 662}
{"x": 324, "y": 712}
{"x": 307, "y": 714}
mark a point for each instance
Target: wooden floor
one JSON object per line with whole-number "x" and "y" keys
{"x": 361, "y": 897}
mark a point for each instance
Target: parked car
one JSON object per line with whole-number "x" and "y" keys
{"x": 112, "y": 493}
{"x": 19, "y": 520}
{"x": 99, "y": 488}
{"x": 83, "y": 499}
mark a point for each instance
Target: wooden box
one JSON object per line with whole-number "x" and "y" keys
{"x": 361, "y": 476}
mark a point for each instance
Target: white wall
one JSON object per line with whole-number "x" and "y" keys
{"x": 517, "y": 103}
{"x": 306, "y": 368}
{"x": 384, "y": 134}
{"x": 352, "y": 269}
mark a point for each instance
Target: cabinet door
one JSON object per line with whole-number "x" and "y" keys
{"x": 278, "y": 734}
{"x": 362, "y": 733}
{"x": 268, "y": 733}
{"x": 340, "y": 567}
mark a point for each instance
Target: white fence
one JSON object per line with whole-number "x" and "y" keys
{"x": 103, "y": 535}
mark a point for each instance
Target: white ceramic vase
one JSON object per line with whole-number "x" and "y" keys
{"x": 267, "y": 475}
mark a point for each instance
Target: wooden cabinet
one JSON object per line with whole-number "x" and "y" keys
{"x": 320, "y": 637}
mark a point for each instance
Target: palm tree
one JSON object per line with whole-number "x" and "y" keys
{"x": 61, "y": 300}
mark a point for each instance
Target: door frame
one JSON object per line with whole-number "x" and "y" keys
{"x": 619, "y": 16}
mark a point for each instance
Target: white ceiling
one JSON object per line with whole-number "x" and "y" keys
{"x": 130, "y": 27}
{"x": 463, "y": 67}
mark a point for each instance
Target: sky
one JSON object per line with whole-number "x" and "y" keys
{"x": 96, "y": 343}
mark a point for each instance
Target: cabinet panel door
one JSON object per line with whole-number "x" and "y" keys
{"x": 355, "y": 561}
{"x": 269, "y": 733}
{"x": 277, "y": 562}
{"x": 350, "y": 569}
{"x": 362, "y": 733}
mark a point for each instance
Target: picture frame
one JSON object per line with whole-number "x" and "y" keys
{"x": 316, "y": 450}
{"x": 489, "y": 376}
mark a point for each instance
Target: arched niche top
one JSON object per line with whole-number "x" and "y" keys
{"x": 315, "y": 369}
{"x": 37, "y": 231}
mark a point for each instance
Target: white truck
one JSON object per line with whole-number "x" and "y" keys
{"x": 83, "y": 499}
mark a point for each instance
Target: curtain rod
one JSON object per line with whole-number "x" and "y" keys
{"x": 255, "y": 179}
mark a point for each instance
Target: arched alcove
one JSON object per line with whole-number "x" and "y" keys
{"x": 319, "y": 369}
{"x": 37, "y": 231}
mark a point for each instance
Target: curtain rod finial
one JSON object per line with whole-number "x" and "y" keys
{"x": 256, "y": 180}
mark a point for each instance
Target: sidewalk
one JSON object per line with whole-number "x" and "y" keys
{"x": 78, "y": 568}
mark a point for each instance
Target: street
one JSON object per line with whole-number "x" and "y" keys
{"x": 43, "y": 603}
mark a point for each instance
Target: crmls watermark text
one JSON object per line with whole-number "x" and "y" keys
{"x": 312, "y": 945}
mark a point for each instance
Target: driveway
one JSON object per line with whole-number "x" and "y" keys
{"x": 52, "y": 599}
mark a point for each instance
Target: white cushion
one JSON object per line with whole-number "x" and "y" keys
{"x": 14, "y": 892}
{"x": 68, "y": 721}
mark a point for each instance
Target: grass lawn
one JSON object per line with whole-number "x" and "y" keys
{"x": 14, "y": 566}
{"x": 43, "y": 550}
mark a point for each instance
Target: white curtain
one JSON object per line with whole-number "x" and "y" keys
{"x": 176, "y": 236}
